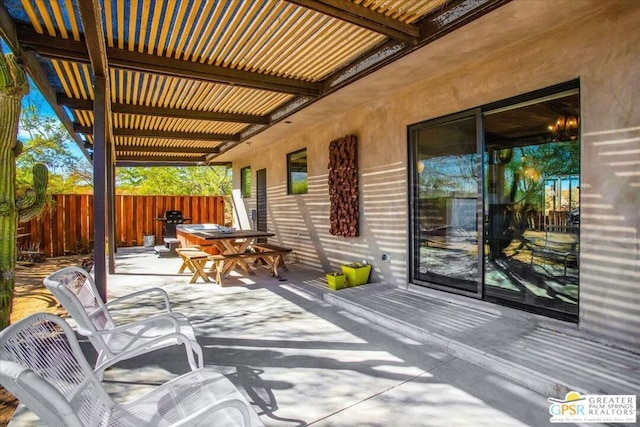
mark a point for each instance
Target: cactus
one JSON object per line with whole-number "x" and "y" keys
{"x": 13, "y": 86}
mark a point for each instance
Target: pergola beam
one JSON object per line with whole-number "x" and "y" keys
{"x": 363, "y": 17}
{"x": 170, "y": 160}
{"x": 177, "y": 113}
{"x": 162, "y": 149}
{"x": 103, "y": 211}
{"x": 161, "y": 134}
{"x": 75, "y": 51}
{"x": 165, "y": 163}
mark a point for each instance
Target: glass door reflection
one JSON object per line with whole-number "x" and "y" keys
{"x": 447, "y": 197}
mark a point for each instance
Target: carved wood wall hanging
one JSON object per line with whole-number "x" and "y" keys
{"x": 344, "y": 211}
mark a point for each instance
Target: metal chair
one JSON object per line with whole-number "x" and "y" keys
{"x": 41, "y": 363}
{"x": 76, "y": 291}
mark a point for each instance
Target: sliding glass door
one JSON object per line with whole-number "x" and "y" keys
{"x": 495, "y": 202}
{"x": 532, "y": 202}
{"x": 446, "y": 202}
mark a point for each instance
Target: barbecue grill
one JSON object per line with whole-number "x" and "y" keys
{"x": 171, "y": 219}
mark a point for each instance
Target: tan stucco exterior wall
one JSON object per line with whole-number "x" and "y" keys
{"x": 523, "y": 46}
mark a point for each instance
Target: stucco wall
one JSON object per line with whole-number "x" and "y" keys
{"x": 523, "y": 46}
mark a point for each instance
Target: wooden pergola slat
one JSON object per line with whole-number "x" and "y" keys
{"x": 363, "y": 17}
{"x": 81, "y": 104}
{"x": 234, "y": 67}
{"x": 71, "y": 50}
{"x": 161, "y": 134}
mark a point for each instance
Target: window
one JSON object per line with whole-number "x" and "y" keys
{"x": 297, "y": 182}
{"x": 245, "y": 182}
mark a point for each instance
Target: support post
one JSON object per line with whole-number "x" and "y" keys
{"x": 100, "y": 237}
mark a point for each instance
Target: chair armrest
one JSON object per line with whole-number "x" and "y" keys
{"x": 131, "y": 350}
{"x": 144, "y": 292}
{"x": 205, "y": 414}
{"x": 169, "y": 317}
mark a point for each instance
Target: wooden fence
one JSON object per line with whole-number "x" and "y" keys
{"x": 67, "y": 227}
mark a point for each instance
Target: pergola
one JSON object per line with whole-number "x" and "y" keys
{"x": 180, "y": 82}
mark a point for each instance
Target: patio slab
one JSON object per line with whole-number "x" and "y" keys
{"x": 303, "y": 361}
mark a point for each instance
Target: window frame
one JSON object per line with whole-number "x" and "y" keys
{"x": 290, "y": 189}
{"x": 245, "y": 187}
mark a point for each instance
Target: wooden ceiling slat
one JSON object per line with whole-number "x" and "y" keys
{"x": 164, "y": 94}
{"x": 66, "y": 66}
{"x": 171, "y": 4}
{"x": 215, "y": 99}
{"x": 120, "y": 24}
{"x": 187, "y": 102}
{"x": 320, "y": 28}
{"x": 253, "y": 46}
{"x": 177, "y": 124}
{"x": 108, "y": 13}
{"x": 28, "y": 8}
{"x": 151, "y": 99}
{"x": 222, "y": 34}
{"x": 198, "y": 34}
{"x": 142, "y": 28}
{"x": 343, "y": 52}
{"x": 120, "y": 81}
{"x": 84, "y": 119}
{"x": 209, "y": 38}
{"x": 71, "y": 13}
{"x": 61, "y": 76}
{"x": 186, "y": 32}
{"x": 81, "y": 79}
{"x": 113, "y": 90}
{"x": 263, "y": 64}
{"x": 155, "y": 24}
{"x": 237, "y": 28}
{"x": 201, "y": 96}
{"x": 128, "y": 86}
{"x": 255, "y": 19}
{"x": 87, "y": 73}
{"x": 46, "y": 19}
{"x": 150, "y": 134}
{"x": 176, "y": 30}
{"x": 364, "y": 17}
{"x": 304, "y": 53}
{"x": 267, "y": 58}
{"x": 133, "y": 19}
{"x": 209, "y": 44}
{"x": 291, "y": 14}
{"x": 171, "y": 101}
{"x": 57, "y": 13}
{"x": 158, "y": 147}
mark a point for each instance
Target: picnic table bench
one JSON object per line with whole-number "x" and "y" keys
{"x": 262, "y": 248}
{"x": 224, "y": 263}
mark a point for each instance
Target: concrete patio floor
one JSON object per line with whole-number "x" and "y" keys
{"x": 301, "y": 360}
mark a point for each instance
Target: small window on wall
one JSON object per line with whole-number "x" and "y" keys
{"x": 297, "y": 172}
{"x": 245, "y": 182}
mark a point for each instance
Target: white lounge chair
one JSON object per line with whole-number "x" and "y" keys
{"x": 41, "y": 363}
{"x": 76, "y": 291}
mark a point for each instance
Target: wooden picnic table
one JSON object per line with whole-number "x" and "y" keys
{"x": 227, "y": 242}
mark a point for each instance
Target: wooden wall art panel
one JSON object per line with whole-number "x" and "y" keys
{"x": 344, "y": 212}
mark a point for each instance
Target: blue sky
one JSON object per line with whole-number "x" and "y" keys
{"x": 36, "y": 98}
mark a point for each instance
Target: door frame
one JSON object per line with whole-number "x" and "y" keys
{"x": 261, "y": 205}
{"x": 414, "y": 229}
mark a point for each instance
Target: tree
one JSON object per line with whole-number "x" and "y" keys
{"x": 174, "y": 181}
{"x": 47, "y": 141}
{"x": 13, "y": 86}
